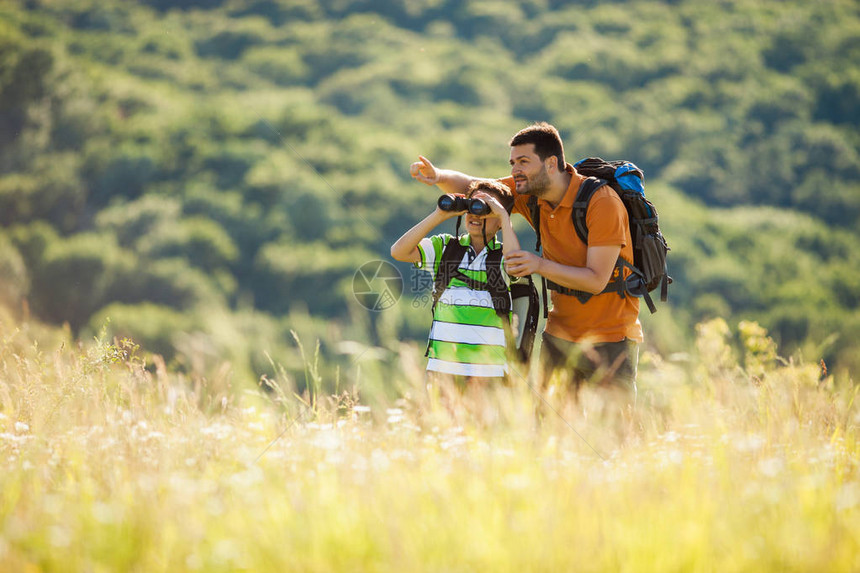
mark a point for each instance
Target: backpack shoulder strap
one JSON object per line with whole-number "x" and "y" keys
{"x": 528, "y": 316}
{"x": 580, "y": 205}
{"x": 534, "y": 211}
{"x": 449, "y": 265}
{"x": 496, "y": 285}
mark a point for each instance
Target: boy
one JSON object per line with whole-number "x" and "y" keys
{"x": 467, "y": 338}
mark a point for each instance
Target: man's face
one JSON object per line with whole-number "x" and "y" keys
{"x": 529, "y": 172}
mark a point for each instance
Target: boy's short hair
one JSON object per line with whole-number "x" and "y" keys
{"x": 546, "y": 140}
{"x": 494, "y": 188}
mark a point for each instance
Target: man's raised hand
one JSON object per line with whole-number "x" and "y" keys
{"x": 424, "y": 171}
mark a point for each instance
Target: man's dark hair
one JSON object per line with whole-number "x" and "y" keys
{"x": 546, "y": 140}
{"x": 494, "y": 188}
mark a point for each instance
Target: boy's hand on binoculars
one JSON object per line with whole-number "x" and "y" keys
{"x": 496, "y": 207}
{"x": 424, "y": 171}
{"x": 444, "y": 215}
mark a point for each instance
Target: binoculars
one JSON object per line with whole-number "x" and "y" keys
{"x": 477, "y": 207}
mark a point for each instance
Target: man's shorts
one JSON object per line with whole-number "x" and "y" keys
{"x": 602, "y": 363}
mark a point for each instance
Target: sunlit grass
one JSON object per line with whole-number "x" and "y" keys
{"x": 726, "y": 465}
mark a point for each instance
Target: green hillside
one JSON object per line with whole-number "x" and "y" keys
{"x": 206, "y": 176}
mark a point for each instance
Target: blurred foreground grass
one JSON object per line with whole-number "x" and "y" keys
{"x": 732, "y": 462}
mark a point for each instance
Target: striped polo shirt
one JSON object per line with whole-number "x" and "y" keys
{"x": 467, "y": 337}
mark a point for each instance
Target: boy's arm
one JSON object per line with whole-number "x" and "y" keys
{"x": 510, "y": 242}
{"x": 405, "y": 249}
{"x": 448, "y": 180}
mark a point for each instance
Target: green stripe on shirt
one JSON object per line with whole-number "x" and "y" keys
{"x": 476, "y": 315}
{"x": 471, "y": 353}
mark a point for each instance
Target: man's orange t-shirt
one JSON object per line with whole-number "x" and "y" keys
{"x": 606, "y": 317}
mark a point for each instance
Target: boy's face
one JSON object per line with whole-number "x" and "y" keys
{"x": 475, "y": 224}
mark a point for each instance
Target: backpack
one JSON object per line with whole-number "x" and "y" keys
{"x": 649, "y": 269}
{"x": 521, "y": 299}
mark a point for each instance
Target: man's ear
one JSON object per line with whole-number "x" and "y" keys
{"x": 551, "y": 162}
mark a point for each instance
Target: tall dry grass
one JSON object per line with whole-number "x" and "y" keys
{"x": 730, "y": 462}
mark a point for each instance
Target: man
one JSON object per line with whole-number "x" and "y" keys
{"x": 593, "y": 337}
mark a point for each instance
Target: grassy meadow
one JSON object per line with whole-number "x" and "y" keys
{"x": 205, "y": 178}
{"x": 733, "y": 460}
